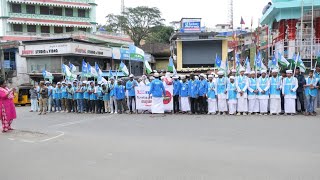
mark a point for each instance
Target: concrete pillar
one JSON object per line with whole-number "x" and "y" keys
{"x": 179, "y": 55}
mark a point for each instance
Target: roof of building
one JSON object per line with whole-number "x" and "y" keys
{"x": 286, "y": 9}
{"x": 181, "y": 34}
{"x": 47, "y": 22}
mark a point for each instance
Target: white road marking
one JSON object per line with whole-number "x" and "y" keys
{"x": 67, "y": 123}
{"x": 11, "y": 139}
{"x": 55, "y": 137}
{"x": 27, "y": 141}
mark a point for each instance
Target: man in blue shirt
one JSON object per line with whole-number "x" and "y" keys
{"x": 80, "y": 92}
{"x": 184, "y": 95}
{"x": 194, "y": 93}
{"x": 57, "y": 94}
{"x": 176, "y": 91}
{"x": 203, "y": 88}
{"x": 120, "y": 95}
{"x": 158, "y": 92}
{"x": 75, "y": 97}
{"x": 70, "y": 93}
{"x": 130, "y": 85}
{"x": 311, "y": 92}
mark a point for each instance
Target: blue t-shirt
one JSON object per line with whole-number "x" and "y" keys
{"x": 119, "y": 92}
{"x": 176, "y": 87}
{"x": 130, "y": 88}
{"x": 92, "y": 95}
{"x": 156, "y": 88}
{"x": 64, "y": 93}
{"x": 184, "y": 89}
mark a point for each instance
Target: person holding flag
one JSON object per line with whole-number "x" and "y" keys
{"x": 221, "y": 88}
{"x": 275, "y": 93}
{"x": 263, "y": 85}
{"x": 253, "y": 94}
{"x": 176, "y": 90}
{"x": 130, "y": 87}
{"x": 242, "y": 96}
{"x": 211, "y": 94}
{"x": 289, "y": 88}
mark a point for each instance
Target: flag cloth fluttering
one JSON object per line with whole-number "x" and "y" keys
{"x": 47, "y": 75}
{"x": 110, "y": 74}
{"x": 171, "y": 67}
{"x": 84, "y": 68}
{"x": 247, "y": 65}
{"x": 300, "y": 63}
{"x": 124, "y": 69}
{"x": 282, "y": 60}
{"x": 99, "y": 72}
{"x": 242, "y": 21}
{"x": 147, "y": 66}
{"x": 66, "y": 71}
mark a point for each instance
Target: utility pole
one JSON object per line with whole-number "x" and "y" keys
{"x": 230, "y": 13}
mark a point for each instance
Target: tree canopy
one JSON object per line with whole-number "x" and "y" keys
{"x": 137, "y": 22}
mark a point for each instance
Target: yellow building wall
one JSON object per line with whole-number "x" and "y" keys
{"x": 224, "y": 50}
{"x": 162, "y": 64}
{"x": 179, "y": 55}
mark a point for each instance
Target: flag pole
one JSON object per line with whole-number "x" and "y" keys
{"x": 295, "y": 64}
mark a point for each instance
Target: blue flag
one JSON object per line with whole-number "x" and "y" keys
{"x": 274, "y": 61}
{"x": 84, "y": 67}
{"x": 110, "y": 74}
{"x": 218, "y": 61}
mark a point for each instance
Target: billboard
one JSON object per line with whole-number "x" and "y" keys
{"x": 191, "y": 25}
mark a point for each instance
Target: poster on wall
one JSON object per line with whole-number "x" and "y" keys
{"x": 191, "y": 25}
{"x": 144, "y": 102}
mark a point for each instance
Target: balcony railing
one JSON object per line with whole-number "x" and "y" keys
{"x": 49, "y": 17}
{"x": 80, "y": 1}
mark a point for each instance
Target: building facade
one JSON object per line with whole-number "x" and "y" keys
{"x": 290, "y": 27}
{"x": 22, "y": 19}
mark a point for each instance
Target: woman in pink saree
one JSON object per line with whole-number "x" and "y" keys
{"x": 7, "y": 108}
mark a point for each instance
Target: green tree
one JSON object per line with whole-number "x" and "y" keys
{"x": 136, "y": 22}
{"x": 160, "y": 34}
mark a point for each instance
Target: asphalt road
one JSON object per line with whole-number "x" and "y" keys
{"x": 61, "y": 146}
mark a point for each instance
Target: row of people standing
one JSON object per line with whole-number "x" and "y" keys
{"x": 244, "y": 94}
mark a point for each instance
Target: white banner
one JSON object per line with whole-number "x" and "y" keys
{"x": 144, "y": 102}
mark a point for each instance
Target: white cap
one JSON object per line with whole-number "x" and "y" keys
{"x": 220, "y": 73}
{"x": 210, "y": 76}
{"x": 202, "y": 75}
{"x": 233, "y": 71}
{"x": 263, "y": 71}
{"x": 156, "y": 75}
{"x": 196, "y": 77}
{"x": 175, "y": 77}
{"x": 252, "y": 72}
{"x": 289, "y": 71}
{"x": 63, "y": 82}
{"x": 85, "y": 82}
{"x": 275, "y": 70}
{"x": 69, "y": 83}
{"x": 168, "y": 73}
{"x": 99, "y": 83}
{"x": 183, "y": 76}
{"x": 58, "y": 83}
{"x": 231, "y": 77}
{"x": 131, "y": 75}
{"x": 47, "y": 82}
{"x": 242, "y": 69}
{"x": 216, "y": 75}
{"x": 246, "y": 72}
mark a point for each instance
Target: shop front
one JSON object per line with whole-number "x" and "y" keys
{"x": 51, "y": 55}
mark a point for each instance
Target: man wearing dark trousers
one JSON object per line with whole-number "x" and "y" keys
{"x": 300, "y": 93}
{"x": 203, "y": 87}
{"x": 194, "y": 94}
{"x": 176, "y": 91}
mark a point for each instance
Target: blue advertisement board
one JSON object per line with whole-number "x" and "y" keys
{"x": 191, "y": 25}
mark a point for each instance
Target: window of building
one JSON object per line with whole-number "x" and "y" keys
{"x": 69, "y": 29}
{"x": 31, "y": 9}
{"x": 45, "y": 29}
{"x": 44, "y": 10}
{"x": 82, "y": 29}
{"x": 81, "y": 13}
{"x": 69, "y": 12}
{"x": 57, "y": 11}
{"x": 58, "y": 30}
{"x": 17, "y": 27}
{"x": 16, "y": 8}
{"x": 31, "y": 28}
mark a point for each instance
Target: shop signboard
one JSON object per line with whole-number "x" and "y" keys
{"x": 65, "y": 48}
{"x": 191, "y": 25}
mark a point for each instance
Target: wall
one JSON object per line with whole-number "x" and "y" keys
{"x": 22, "y": 77}
{"x": 162, "y": 64}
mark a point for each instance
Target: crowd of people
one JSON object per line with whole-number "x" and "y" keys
{"x": 262, "y": 92}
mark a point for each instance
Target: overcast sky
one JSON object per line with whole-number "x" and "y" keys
{"x": 212, "y": 12}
